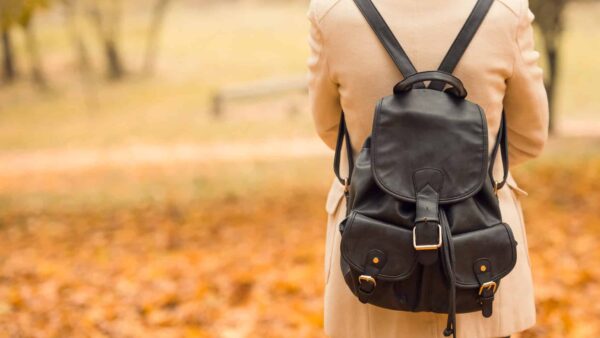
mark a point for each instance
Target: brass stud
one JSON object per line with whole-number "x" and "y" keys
{"x": 376, "y": 260}
{"x": 483, "y": 268}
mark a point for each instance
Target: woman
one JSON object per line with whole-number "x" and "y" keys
{"x": 350, "y": 71}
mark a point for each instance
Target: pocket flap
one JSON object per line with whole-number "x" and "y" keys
{"x": 362, "y": 235}
{"x": 495, "y": 244}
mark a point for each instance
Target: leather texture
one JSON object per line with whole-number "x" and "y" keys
{"x": 424, "y": 128}
{"x": 456, "y": 86}
{"x": 381, "y": 221}
{"x": 428, "y": 155}
{"x": 363, "y": 233}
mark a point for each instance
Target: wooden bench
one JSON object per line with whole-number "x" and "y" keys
{"x": 257, "y": 89}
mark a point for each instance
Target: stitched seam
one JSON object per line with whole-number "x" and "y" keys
{"x": 324, "y": 47}
{"x": 332, "y": 247}
{"x": 499, "y": 305}
{"x": 518, "y": 53}
{"x": 519, "y": 211}
{"x": 324, "y": 14}
{"x": 524, "y": 10}
{"x": 509, "y": 8}
{"x": 326, "y": 59}
{"x": 370, "y": 327}
{"x": 323, "y": 51}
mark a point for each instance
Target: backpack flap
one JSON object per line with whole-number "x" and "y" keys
{"x": 424, "y": 130}
{"x": 362, "y": 246}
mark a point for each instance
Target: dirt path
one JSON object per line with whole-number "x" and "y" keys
{"x": 19, "y": 163}
{"x": 66, "y": 160}
{"x": 578, "y": 128}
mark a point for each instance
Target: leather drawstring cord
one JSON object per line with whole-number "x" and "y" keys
{"x": 449, "y": 269}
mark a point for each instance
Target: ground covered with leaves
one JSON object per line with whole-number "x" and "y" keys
{"x": 226, "y": 250}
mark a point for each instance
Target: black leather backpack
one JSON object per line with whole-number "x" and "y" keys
{"x": 423, "y": 230}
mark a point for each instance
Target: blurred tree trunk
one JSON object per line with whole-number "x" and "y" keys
{"x": 9, "y": 71}
{"x": 81, "y": 50}
{"x": 31, "y": 42}
{"x": 549, "y": 17}
{"x": 113, "y": 58}
{"x": 107, "y": 23}
{"x": 158, "y": 16}
{"x": 82, "y": 55}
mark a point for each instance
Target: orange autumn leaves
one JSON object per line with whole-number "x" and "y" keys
{"x": 204, "y": 269}
{"x": 563, "y": 223}
{"x": 248, "y": 263}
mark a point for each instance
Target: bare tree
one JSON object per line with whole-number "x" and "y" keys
{"x": 84, "y": 64}
{"x": 550, "y": 19}
{"x": 156, "y": 24}
{"x": 106, "y": 16}
{"x": 20, "y": 13}
{"x": 72, "y": 8}
{"x": 31, "y": 43}
{"x": 9, "y": 12}
{"x": 9, "y": 71}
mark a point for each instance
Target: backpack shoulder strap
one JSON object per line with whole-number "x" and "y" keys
{"x": 398, "y": 55}
{"x": 462, "y": 41}
{"x": 386, "y": 37}
{"x": 402, "y": 61}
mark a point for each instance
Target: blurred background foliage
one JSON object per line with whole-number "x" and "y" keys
{"x": 159, "y": 175}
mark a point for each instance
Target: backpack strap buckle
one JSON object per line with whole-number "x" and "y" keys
{"x": 366, "y": 288}
{"x": 375, "y": 260}
{"x": 487, "y": 292}
{"x": 367, "y": 279}
{"x": 432, "y": 246}
{"x": 427, "y": 232}
{"x": 497, "y": 187}
{"x": 491, "y": 285}
{"x": 487, "y": 289}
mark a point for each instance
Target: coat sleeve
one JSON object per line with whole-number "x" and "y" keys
{"x": 526, "y": 102}
{"x": 322, "y": 90}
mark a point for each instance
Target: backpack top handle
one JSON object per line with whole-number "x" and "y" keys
{"x": 456, "y": 86}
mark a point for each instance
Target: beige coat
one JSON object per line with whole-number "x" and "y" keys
{"x": 349, "y": 69}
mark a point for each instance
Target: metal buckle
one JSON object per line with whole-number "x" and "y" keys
{"x": 367, "y": 278}
{"x": 427, "y": 246}
{"x": 346, "y": 185}
{"x": 488, "y": 285}
{"x": 495, "y": 187}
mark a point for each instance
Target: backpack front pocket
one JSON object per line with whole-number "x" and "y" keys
{"x": 386, "y": 272}
{"x": 361, "y": 240}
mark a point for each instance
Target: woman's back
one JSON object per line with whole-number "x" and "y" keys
{"x": 498, "y": 69}
{"x": 350, "y": 71}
